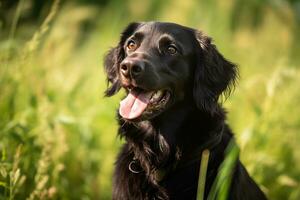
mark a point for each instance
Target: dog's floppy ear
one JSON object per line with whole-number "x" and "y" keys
{"x": 214, "y": 75}
{"x": 113, "y": 59}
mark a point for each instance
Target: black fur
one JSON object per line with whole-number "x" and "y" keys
{"x": 172, "y": 140}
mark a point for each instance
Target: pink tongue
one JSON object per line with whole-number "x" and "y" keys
{"x": 134, "y": 104}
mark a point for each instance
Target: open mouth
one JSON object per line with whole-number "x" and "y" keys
{"x": 141, "y": 102}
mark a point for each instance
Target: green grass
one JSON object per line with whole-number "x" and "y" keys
{"x": 220, "y": 187}
{"x": 58, "y": 132}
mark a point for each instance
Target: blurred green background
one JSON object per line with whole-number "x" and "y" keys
{"x": 57, "y": 131}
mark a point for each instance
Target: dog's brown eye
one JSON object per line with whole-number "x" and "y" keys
{"x": 172, "y": 50}
{"x": 131, "y": 45}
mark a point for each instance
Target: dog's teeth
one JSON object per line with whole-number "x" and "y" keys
{"x": 157, "y": 95}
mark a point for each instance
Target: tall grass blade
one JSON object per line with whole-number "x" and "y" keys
{"x": 202, "y": 174}
{"x": 15, "y": 20}
{"x": 222, "y": 182}
{"x": 34, "y": 42}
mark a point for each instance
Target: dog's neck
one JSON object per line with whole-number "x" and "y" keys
{"x": 165, "y": 136}
{"x": 187, "y": 126}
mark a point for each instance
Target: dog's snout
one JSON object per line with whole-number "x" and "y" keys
{"x": 132, "y": 68}
{"x": 125, "y": 69}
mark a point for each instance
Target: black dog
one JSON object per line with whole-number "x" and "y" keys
{"x": 173, "y": 76}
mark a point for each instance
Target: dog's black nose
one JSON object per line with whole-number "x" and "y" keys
{"x": 132, "y": 68}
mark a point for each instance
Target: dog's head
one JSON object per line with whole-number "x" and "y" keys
{"x": 162, "y": 64}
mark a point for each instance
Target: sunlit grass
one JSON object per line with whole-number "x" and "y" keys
{"x": 220, "y": 187}
{"x": 202, "y": 174}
